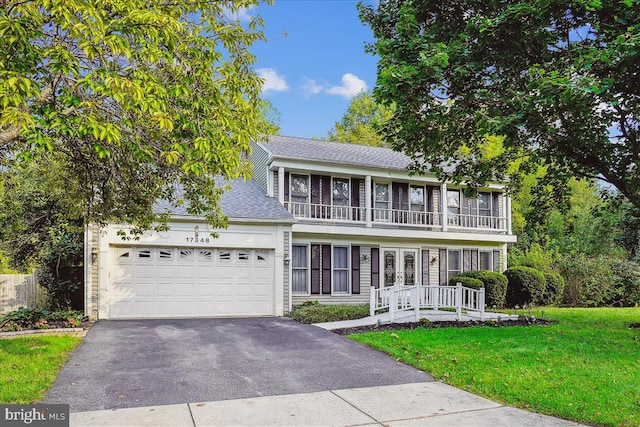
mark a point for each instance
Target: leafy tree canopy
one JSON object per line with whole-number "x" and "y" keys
{"x": 558, "y": 80}
{"x": 133, "y": 100}
{"x": 362, "y": 123}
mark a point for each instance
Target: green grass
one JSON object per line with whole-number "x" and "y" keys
{"x": 585, "y": 367}
{"x": 30, "y": 365}
{"x": 317, "y": 313}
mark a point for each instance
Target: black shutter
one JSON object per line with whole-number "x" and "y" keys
{"x": 355, "y": 269}
{"x": 474, "y": 259}
{"x": 495, "y": 212}
{"x": 496, "y": 261}
{"x": 466, "y": 260}
{"x": 443, "y": 267}
{"x": 375, "y": 267}
{"x": 326, "y": 196}
{"x": 286, "y": 186}
{"x": 425, "y": 267}
{"x": 315, "y": 269}
{"x": 355, "y": 199}
{"x": 315, "y": 189}
{"x": 326, "y": 269}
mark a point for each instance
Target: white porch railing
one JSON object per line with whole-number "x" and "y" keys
{"x": 401, "y": 298}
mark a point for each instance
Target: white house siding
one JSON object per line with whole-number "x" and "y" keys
{"x": 258, "y": 159}
{"x": 286, "y": 286}
{"x": 276, "y": 193}
{"x": 436, "y": 205}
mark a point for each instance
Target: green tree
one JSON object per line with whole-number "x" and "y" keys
{"x": 362, "y": 122}
{"x": 134, "y": 101}
{"x": 557, "y": 79}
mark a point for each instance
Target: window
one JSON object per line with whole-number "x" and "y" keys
{"x": 341, "y": 191}
{"x": 381, "y": 198}
{"x": 186, "y": 255}
{"x": 224, "y": 255}
{"x": 205, "y": 255}
{"x": 300, "y": 269}
{"x": 340, "y": 270}
{"x": 243, "y": 256}
{"x": 144, "y": 253}
{"x": 484, "y": 204}
{"x": 417, "y": 199}
{"x": 486, "y": 260}
{"x": 454, "y": 266}
{"x": 166, "y": 253}
{"x": 300, "y": 188}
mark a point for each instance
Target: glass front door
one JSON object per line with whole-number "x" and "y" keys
{"x": 399, "y": 266}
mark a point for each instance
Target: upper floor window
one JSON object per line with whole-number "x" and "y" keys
{"x": 340, "y": 191}
{"x": 453, "y": 202}
{"x": 300, "y": 188}
{"x": 416, "y": 195}
{"x": 484, "y": 204}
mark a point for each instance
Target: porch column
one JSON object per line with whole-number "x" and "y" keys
{"x": 507, "y": 211}
{"x": 443, "y": 205}
{"x": 367, "y": 200}
{"x": 503, "y": 261}
{"x": 281, "y": 185}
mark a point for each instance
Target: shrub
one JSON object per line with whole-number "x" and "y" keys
{"x": 317, "y": 313}
{"x": 26, "y": 318}
{"x": 466, "y": 281}
{"x": 627, "y": 282}
{"x": 554, "y": 289}
{"x": 526, "y": 286}
{"x": 495, "y": 285}
{"x": 590, "y": 281}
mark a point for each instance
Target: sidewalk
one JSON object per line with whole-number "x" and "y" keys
{"x": 418, "y": 404}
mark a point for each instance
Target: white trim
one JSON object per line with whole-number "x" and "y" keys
{"x": 281, "y": 185}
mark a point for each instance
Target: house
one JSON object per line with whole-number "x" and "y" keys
{"x": 319, "y": 221}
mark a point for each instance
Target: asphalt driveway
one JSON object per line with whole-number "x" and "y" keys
{"x": 135, "y": 363}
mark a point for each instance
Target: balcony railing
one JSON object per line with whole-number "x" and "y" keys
{"x": 315, "y": 211}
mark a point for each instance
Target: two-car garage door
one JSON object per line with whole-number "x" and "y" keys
{"x": 158, "y": 282}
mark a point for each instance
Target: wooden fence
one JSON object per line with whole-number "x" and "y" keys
{"x": 18, "y": 290}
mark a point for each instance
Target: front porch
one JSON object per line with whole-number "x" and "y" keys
{"x": 412, "y": 303}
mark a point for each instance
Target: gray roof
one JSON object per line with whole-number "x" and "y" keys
{"x": 244, "y": 200}
{"x": 335, "y": 152}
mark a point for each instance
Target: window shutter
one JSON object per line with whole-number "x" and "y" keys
{"x": 474, "y": 259}
{"x": 466, "y": 260}
{"x": 355, "y": 199}
{"x": 286, "y": 186}
{"x": 355, "y": 269}
{"x": 315, "y": 269}
{"x": 495, "y": 204}
{"x": 315, "y": 189}
{"x": 326, "y": 196}
{"x": 443, "y": 267}
{"x": 425, "y": 267}
{"x": 375, "y": 267}
{"x": 496, "y": 261}
{"x": 326, "y": 269}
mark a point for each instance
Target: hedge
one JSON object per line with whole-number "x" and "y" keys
{"x": 526, "y": 286}
{"x": 495, "y": 285}
{"x": 468, "y": 282}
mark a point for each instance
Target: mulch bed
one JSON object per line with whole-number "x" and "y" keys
{"x": 634, "y": 325}
{"x": 522, "y": 321}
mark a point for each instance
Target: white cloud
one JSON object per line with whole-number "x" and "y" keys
{"x": 311, "y": 87}
{"x": 272, "y": 80}
{"x": 351, "y": 86}
{"x": 244, "y": 15}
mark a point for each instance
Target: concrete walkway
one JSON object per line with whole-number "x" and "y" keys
{"x": 417, "y": 404}
{"x": 409, "y": 316}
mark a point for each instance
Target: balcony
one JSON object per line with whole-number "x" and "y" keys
{"x": 394, "y": 217}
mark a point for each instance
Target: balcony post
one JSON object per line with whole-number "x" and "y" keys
{"x": 367, "y": 200}
{"x": 281, "y": 185}
{"x": 443, "y": 205}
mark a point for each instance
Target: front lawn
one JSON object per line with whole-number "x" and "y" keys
{"x": 585, "y": 367}
{"x": 30, "y": 365}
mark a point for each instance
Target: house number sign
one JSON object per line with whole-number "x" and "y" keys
{"x": 196, "y": 238}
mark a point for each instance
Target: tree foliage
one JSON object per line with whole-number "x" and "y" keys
{"x": 362, "y": 123}
{"x": 133, "y": 100}
{"x": 558, "y": 80}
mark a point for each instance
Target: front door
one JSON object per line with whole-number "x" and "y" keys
{"x": 399, "y": 266}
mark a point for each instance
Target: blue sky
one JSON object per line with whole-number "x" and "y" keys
{"x": 314, "y": 62}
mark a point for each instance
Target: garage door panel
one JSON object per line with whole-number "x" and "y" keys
{"x": 178, "y": 282}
